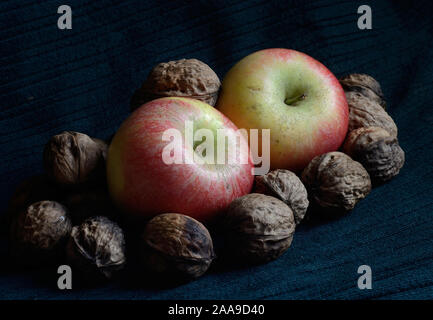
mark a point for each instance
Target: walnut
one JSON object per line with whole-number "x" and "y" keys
{"x": 39, "y": 232}
{"x": 364, "y": 112}
{"x": 176, "y": 247}
{"x": 96, "y": 248}
{"x": 259, "y": 228}
{"x": 365, "y": 85}
{"x": 335, "y": 181}
{"x": 72, "y": 158}
{"x": 377, "y": 150}
{"x": 286, "y": 186}
{"x": 182, "y": 78}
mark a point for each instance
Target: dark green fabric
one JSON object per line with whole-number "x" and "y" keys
{"x": 82, "y": 79}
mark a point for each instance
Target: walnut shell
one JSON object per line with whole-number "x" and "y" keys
{"x": 176, "y": 247}
{"x": 259, "y": 228}
{"x": 335, "y": 181}
{"x": 365, "y": 85}
{"x": 97, "y": 248}
{"x": 72, "y": 158}
{"x": 286, "y": 186}
{"x": 39, "y": 232}
{"x": 364, "y": 112}
{"x": 189, "y": 78}
{"x": 377, "y": 150}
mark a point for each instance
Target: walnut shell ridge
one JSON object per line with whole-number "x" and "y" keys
{"x": 259, "y": 228}
{"x": 365, "y": 85}
{"x": 176, "y": 246}
{"x": 286, "y": 186}
{"x": 39, "y": 232}
{"x": 97, "y": 248}
{"x": 189, "y": 78}
{"x": 335, "y": 181}
{"x": 72, "y": 158}
{"x": 377, "y": 150}
{"x": 364, "y": 112}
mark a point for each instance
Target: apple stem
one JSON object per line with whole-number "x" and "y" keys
{"x": 293, "y": 100}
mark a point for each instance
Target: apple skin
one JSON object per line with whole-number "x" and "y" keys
{"x": 253, "y": 96}
{"x": 142, "y": 184}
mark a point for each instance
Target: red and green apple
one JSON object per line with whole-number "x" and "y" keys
{"x": 153, "y": 162}
{"x": 293, "y": 95}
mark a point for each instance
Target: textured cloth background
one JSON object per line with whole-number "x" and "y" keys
{"x": 82, "y": 79}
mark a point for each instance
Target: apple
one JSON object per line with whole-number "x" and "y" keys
{"x": 293, "y": 95}
{"x": 153, "y": 162}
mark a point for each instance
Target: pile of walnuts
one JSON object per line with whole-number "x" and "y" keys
{"x": 67, "y": 213}
{"x": 63, "y": 215}
{"x": 336, "y": 181}
{"x": 372, "y": 137}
